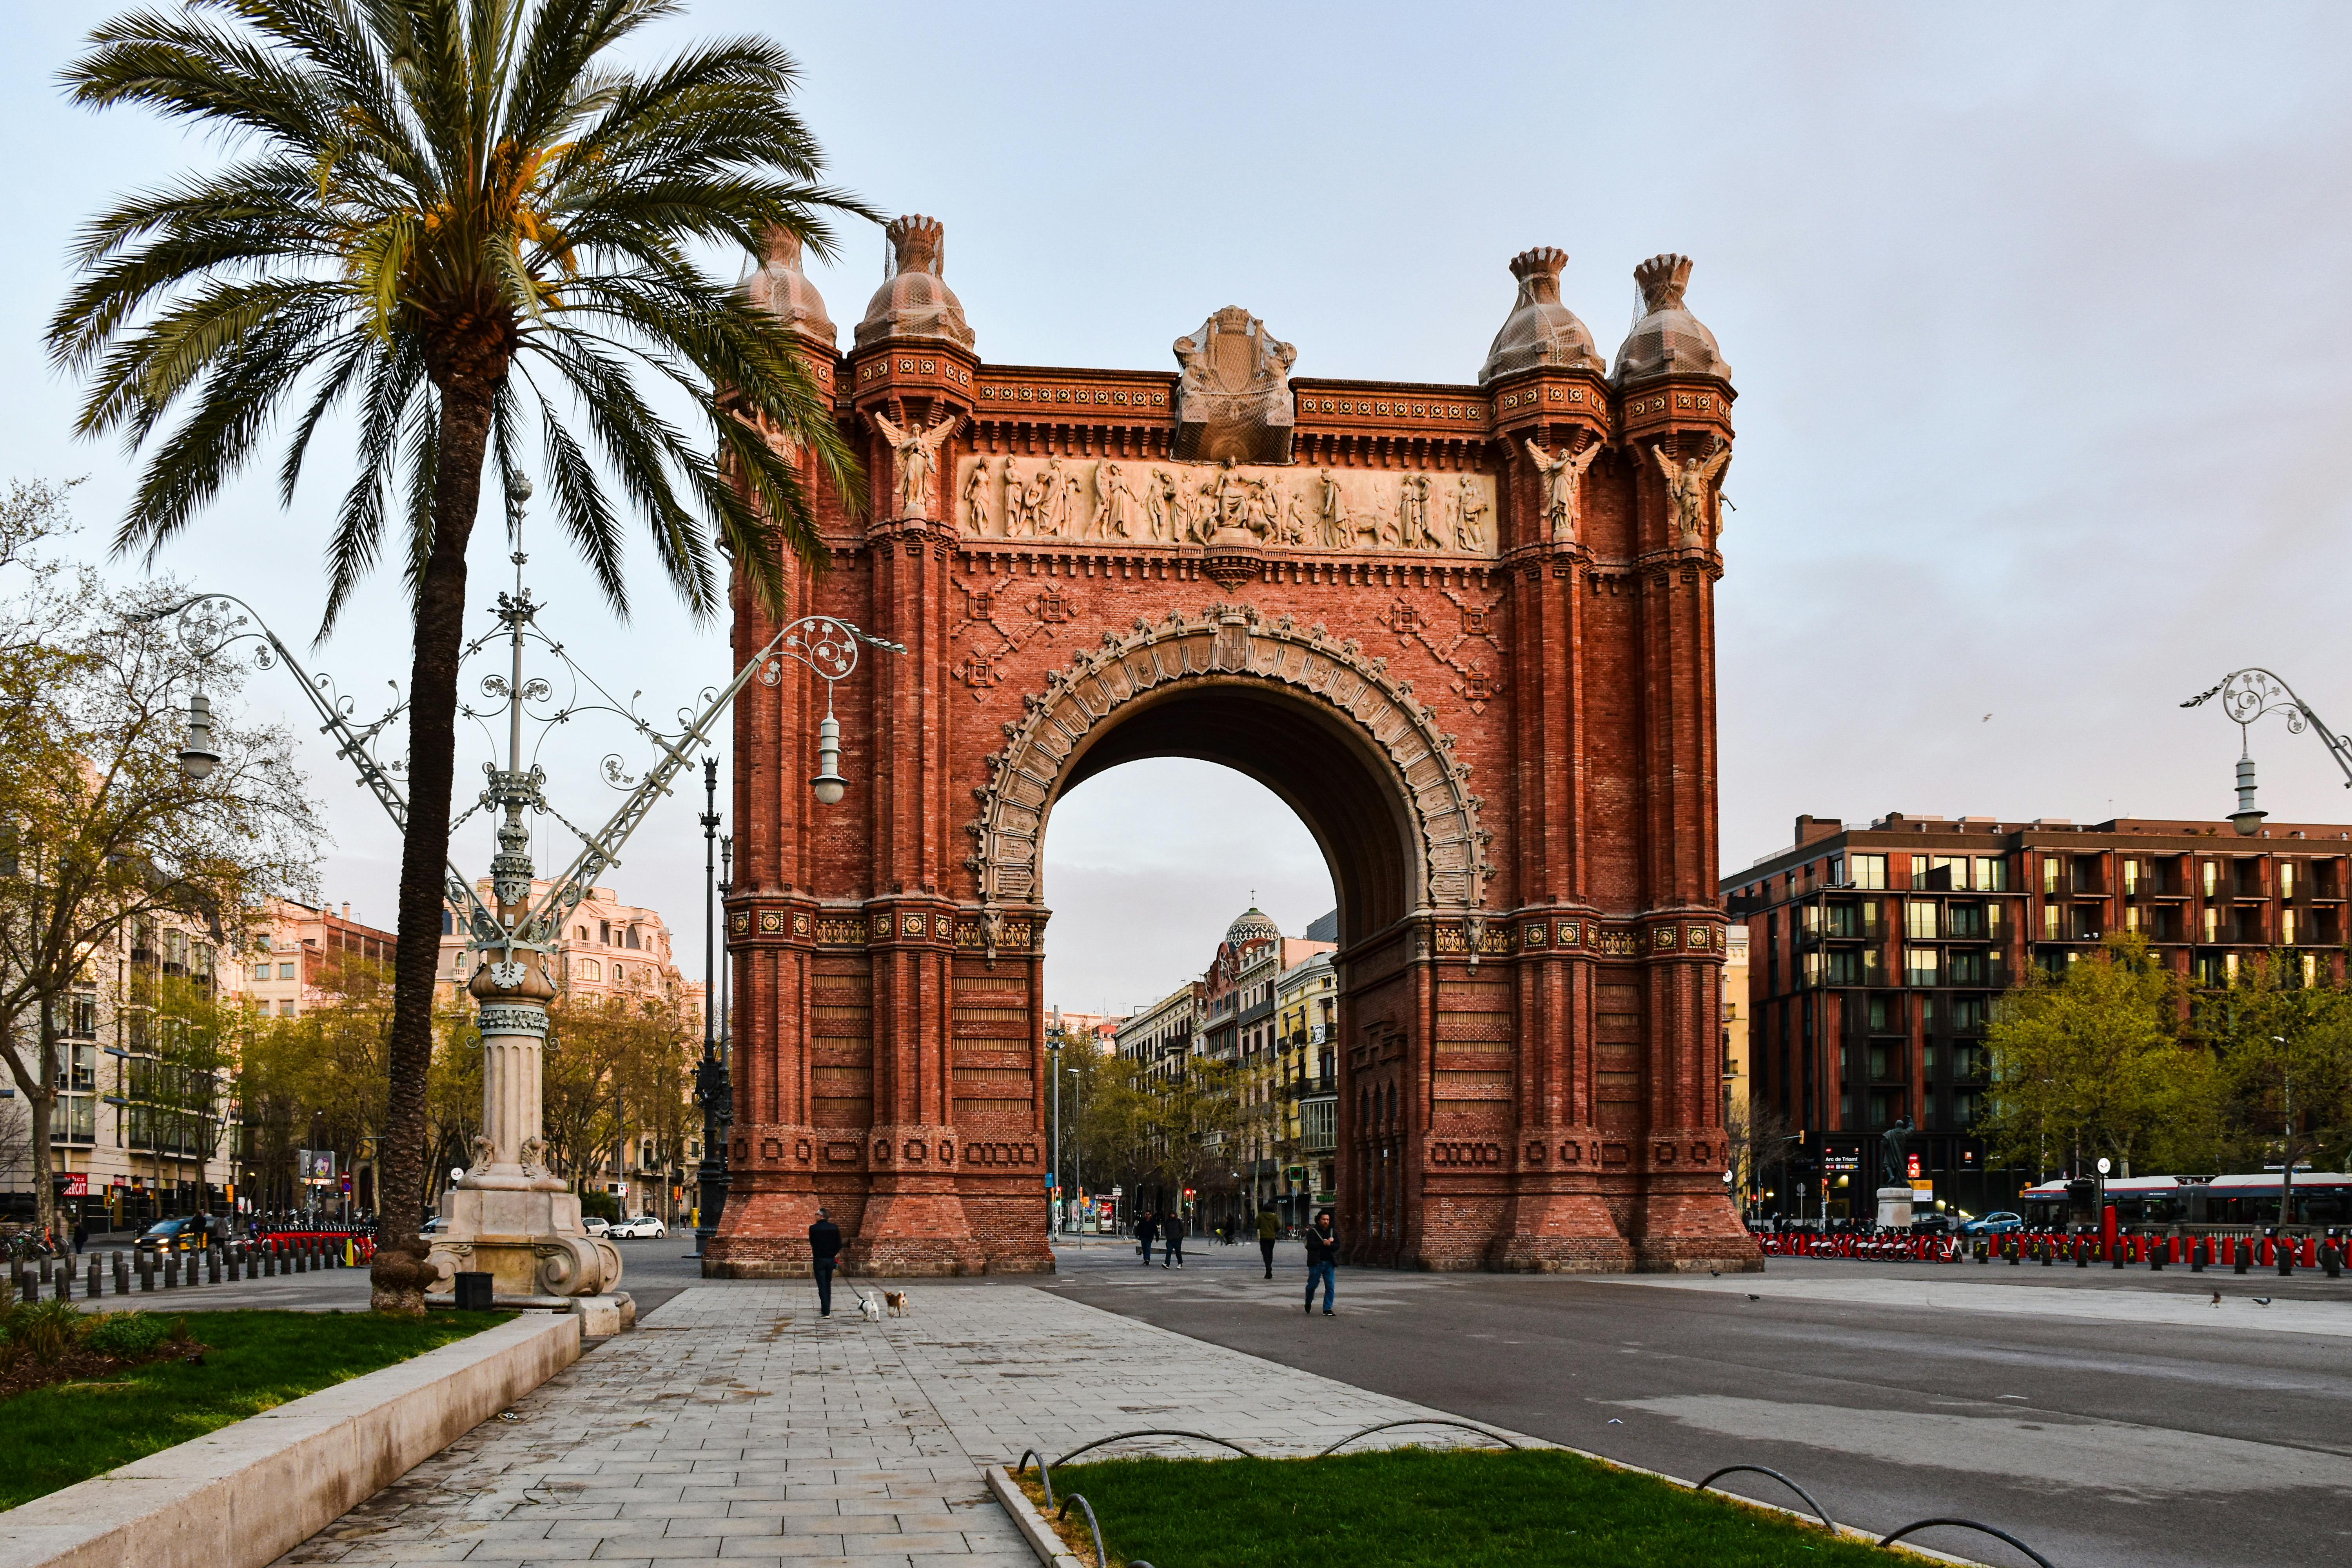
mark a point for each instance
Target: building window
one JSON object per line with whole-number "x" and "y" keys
{"x": 2050, "y": 923}
{"x": 285, "y": 972}
{"x": 2049, "y": 873}
{"x": 1991, "y": 875}
{"x": 286, "y": 1008}
{"x": 1869, "y": 870}
{"x": 2209, "y": 876}
{"x": 2131, "y": 916}
{"x": 2286, "y": 929}
{"x": 1922, "y": 966}
{"x": 2213, "y": 921}
{"x": 2286, "y": 878}
{"x": 1919, "y": 920}
{"x": 591, "y": 970}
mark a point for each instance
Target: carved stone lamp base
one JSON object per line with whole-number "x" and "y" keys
{"x": 531, "y": 1243}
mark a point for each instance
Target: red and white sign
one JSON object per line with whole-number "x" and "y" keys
{"x": 76, "y": 1187}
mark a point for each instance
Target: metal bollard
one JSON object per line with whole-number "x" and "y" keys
{"x": 90, "y": 1290}
{"x": 2156, "y": 1257}
{"x": 2240, "y": 1255}
{"x": 65, "y": 1284}
{"x": 2285, "y": 1256}
{"x": 2330, "y": 1260}
{"x": 171, "y": 1271}
{"x": 45, "y": 1270}
{"x": 269, "y": 1261}
{"x": 146, "y": 1271}
{"x": 28, "y": 1288}
{"x": 2196, "y": 1256}
{"x": 122, "y": 1274}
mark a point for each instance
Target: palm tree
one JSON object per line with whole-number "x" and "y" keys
{"x": 466, "y": 219}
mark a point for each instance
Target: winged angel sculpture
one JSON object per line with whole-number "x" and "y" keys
{"x": 916, "y": 457}
{"x": 1686, "y": 488}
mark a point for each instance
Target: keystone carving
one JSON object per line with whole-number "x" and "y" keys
{"x": 1232, "y": 397}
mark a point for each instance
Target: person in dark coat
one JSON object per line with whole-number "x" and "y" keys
{"x": 81, "y": 1236}
{"x": 1171, "y": 1240}
{"x": 1269, "y": 1225}
{"x": 1144, "y": 1231}
{"x": 825, "y": 1251}
{"x": 1322, "y": 1258}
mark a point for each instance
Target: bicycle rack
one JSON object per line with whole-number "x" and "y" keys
{"x": 1969, "y": 1524}
{"x": 1429, "y": 1421}
{"x": 1758, "y": 1469}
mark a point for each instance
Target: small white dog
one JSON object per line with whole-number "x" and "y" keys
{"x": 869, "y": 1306}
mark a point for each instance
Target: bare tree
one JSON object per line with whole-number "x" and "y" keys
{"x": 105, "y": 830}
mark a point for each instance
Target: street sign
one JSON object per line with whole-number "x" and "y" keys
{"x": 1051, "y": 1184}
{"x": 318, "y": 1164}
{"x": 77, "y": 1186}
{"x": 1911, "y": 1161}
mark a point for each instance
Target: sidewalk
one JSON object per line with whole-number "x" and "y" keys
{"x": 736, "y": 1425}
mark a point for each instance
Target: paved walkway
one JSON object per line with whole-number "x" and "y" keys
{"x": 737, "y": 1425}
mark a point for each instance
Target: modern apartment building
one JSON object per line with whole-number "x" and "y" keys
{"x": 1879, "y": 951}
{"x": 292, "y": 947}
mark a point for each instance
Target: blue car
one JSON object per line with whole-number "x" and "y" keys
{"x": 1999, "y": 1222}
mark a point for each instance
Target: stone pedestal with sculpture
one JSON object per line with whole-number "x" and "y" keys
{"x": 507, "y": 1216}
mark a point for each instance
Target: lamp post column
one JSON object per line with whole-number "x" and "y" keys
{"x": 706, "y": 1215}
{"x": 1055, "y": 1203}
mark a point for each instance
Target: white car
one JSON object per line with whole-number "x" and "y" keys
{"x": 637, "y": 1228}
{"x": 597, "y": 1225}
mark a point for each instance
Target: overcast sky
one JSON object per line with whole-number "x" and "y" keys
{"x": 2037, "y": 314}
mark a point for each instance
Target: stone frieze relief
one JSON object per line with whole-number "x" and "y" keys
{"x": 1140, "y": 501}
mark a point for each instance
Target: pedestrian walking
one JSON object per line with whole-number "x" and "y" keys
{"x": 1322, "y": 1259}
{"x": 1171, "y": 1240}
{"x": 825, "y": 1251}
{"x": 81, "y": 1236}
{"x": 1144, "y": 1231}
{"x": 1268, "y": 1227}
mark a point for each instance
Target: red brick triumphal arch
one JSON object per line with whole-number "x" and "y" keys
{"x": 1465, "y": 631}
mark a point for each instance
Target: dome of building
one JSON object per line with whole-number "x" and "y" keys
{"x": 1668, "y": 340}
{"x": 781, "y": 290}
{"x": 915, "y": 301}
{"x": 1252, "y": 924}
{"x": 1540, "y": 333}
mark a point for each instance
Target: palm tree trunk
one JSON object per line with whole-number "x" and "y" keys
{"x": 399, "y": 1275}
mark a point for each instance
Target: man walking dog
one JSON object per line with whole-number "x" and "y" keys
{"x": 825, "y": 1251}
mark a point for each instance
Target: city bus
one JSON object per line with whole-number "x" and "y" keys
{"x": 2321, "y": 1198}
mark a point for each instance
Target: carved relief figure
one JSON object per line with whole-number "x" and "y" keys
{"x": 1053, "y": 501}
{"x": 1020, "y": 518}
{"x": 1414, "y": 531}
{"x": 1470, "y": 516}
{"x": 1560, "y": 474}
{"x": 976, "y": 501}
{"x": 915, "y": 454}
{"x": 1114, "y": 503}
{"x": 1331, "y": 511}
{"x": 1686, "y": 490}
{"x": 1159, "y": 507}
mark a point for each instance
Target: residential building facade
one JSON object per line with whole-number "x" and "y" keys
{"x": 1880, "y": 952}
{"x": 1307, "y": 1003}
{"x": 291, "y": 948}
{"x": 1159, "y": 1038}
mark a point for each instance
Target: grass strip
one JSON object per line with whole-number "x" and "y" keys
{"x": 65, "y": 1433}
{"x": 1423, "y": 1508}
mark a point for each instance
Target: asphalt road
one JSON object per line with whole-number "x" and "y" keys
{"x": 2111, "y": 1420}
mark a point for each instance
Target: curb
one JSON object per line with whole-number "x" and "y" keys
{"x": 243, "y": 1495}
{"x": 1029, "y": 1521}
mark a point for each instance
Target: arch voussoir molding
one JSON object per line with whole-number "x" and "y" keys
{"x": 1226, "y": 642}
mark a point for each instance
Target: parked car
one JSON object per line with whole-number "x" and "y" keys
{"x": 1938, "y": 1224}
{"x": 596, "y": 1225}
{"x": 637, "y": 1228}
{"x": 1998, "y": 1222}
{"x": 434, "y": 1226}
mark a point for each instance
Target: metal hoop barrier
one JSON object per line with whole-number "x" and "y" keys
{"x": 1154, "y": 1432}
{"x": 1102, "y": 1554}
{"x": 1969, "y": 1524}
{"x": 1384, "y": 1426}
{"x": 1819, "y": 1511}
{"x": 1042, "y": 1474}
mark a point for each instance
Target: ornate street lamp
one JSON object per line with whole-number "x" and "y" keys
{"x": 508, "y": 1214}
{"x": 712, "y": 1089}
{"x": 2247, "y": 695}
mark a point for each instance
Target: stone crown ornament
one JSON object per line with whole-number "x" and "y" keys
{"x": 914, "y": 301}
{"x": 780, "y": 287}
{"x": 1668, "y": 340}
{"x": 1540, "y": 333}
{"x": 1232, "y": 395}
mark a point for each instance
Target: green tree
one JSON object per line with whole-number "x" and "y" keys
{"x": 454, "y": 214}
{"x": 2093, "y": 1062}
{"x": 2285, "y": 1064}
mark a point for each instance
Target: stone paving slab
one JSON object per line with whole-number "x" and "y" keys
{"x": 738, "y": 1426}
